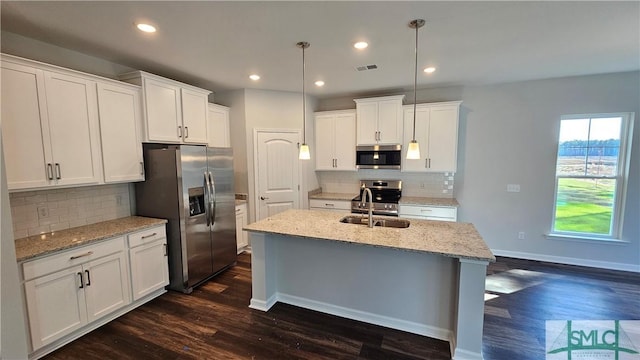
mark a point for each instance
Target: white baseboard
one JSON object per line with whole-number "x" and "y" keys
{"x": 404, "y": 325}
{"x": 467, "y": 355}
{"x": 568, "y": 260}
{"x": 263, "y": 305}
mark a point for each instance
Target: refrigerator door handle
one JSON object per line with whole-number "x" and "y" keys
{"x": 213, "y": 199}
{"x": 207, "y": 198}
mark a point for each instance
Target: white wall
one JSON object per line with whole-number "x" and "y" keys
{"x": 235, "y": 100}
{"x": 13, "y": 335}
{"x": 510, "y": 136}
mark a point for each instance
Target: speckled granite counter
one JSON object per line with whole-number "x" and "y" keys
{"x": 332, "y": 196}
{"x": 45, "y": 244}
{"x": 430, "y": 201}
{"x": 452, "y": 239}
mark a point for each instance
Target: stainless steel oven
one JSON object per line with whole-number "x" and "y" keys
{"x": 386, "y": 194}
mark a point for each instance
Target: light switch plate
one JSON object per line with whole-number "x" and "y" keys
{"x": 513, "y": 187}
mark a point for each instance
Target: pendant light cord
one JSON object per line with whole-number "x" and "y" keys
{"x": 415, "y": 86}
{"x": 304, "y": 102}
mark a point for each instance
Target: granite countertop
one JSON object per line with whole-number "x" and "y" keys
{"x": 415, "y": 200}
{"x": 453, "y": 239}
{"x": 45, "y": 244}
{"x": 332, "y": 196}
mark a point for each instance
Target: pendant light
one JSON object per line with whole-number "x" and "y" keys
{"x": 413, "y": 150}
{"x": 304, "y": 148}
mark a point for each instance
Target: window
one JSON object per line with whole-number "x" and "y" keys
{"x": 591, "y": 174}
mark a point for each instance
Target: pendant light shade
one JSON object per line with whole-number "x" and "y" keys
{"x": 304, "y": 148}
{"x": 413, "y": 150}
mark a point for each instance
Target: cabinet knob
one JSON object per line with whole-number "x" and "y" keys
{"x": 264, "y": 198}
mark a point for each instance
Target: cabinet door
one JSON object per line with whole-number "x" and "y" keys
{"x": 345, "y": 141}
{"x": 164, "y": 115}
{"x": 443, "y": 138}
{"x": 242, "y": 238}
{"x": 367, "y": 123}
{"x": 219, "y": 135}
{"x": 390, "y": 121}
{"x": 325, "y": 137}
{"x": 422, "y": 136}
{"x": 149, "y": 268}
{"x": 56, "y": 305}
{"x": 25, "y": 130}
{"x": 119, "y": 110}
{"x": 72, "y": 113}
{"x": 106, "y": 285}
{"x": 194, "y": 117}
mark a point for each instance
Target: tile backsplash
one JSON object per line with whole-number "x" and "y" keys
{"x": 440, "y": 185}
{"x": 37, "y": 212}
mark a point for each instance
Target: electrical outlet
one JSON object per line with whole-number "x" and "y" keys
{"x": 513, "y": 187}
{"x": 521, "y": 235}
{"x": 43, "y": 212}
{"x": 421, "y": 185}
{"x": 119, "y": 200}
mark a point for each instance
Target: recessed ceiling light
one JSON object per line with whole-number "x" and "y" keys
{"x": 360, "y": 45}
{"x": 319, "y": 83}
{"x": 429, "y": 70}
{"x": 254, "y": 77}
{"x": 146, "y": 28}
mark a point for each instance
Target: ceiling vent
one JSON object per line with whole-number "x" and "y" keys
{"x": 366, "y": 67}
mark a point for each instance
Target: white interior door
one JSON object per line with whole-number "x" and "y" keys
{"x": 278, "y": 172}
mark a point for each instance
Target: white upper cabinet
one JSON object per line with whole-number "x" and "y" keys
{"x": 219, "y": 134}
{"x": 120, "y": 133}
{"x": 173, "y": 112}
{"x": 437, "y": 135}
{"x": 335, "y": 133}
{"x": 379, "y": 120}
{"x": 50, "y": 126}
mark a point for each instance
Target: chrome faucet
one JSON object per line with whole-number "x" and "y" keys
{"x": 366, "y": 191}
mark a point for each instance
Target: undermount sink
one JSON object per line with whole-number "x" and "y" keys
{"x": 377, "y": 221}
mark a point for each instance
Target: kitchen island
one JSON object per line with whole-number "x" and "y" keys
{"x": 426, "y": 279}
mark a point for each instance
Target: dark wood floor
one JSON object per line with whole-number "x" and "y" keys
{"x": 214, "y": 322}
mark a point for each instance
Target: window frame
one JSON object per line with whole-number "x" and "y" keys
{"x": 621, "y": 177}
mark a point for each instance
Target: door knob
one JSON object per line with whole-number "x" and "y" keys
{"x": 264, "y": 198}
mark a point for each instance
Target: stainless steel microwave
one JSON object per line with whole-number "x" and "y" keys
{"x": 378, "y": 156}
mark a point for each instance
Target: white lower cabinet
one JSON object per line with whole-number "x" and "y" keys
{"x": 330, "y": 205}
{"x": 80, "y": 286}
{"x": 441, "y": 213}
{"x": 242, "y": 237}
{"x": 149, "y": 266}
{"x": 72, "y": 292}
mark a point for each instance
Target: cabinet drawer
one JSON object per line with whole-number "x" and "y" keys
{"x": 146, "y": 236}
{"x": 49, "y": 264}
{"x": 330, "y": 204}
{"x": 449, "y": 213}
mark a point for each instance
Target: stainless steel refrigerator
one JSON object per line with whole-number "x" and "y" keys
{"x": 192, "y": 187}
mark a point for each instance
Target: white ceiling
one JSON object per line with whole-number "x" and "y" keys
{"x": 216, "y": 45}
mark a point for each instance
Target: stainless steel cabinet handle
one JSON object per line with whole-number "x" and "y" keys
{"x": 429, "y": 163}
{"x": 165, "y": 249}
{"x": 49, "y": 171}
{"x": 81, "y": 281}
{"x": 186, "y": 132}
{"x": 426, "y": 163}
{"x": 58, "y": 172}
{"x": 264, "y": 198}
{"x": 328, "y": 204}
{"x": 148, "y": 236}
{"x": 88, "y": 278}
{"x": 88, "y": 253}
{"x": 141, "y": 168}
{"x": 179, "y": 131}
